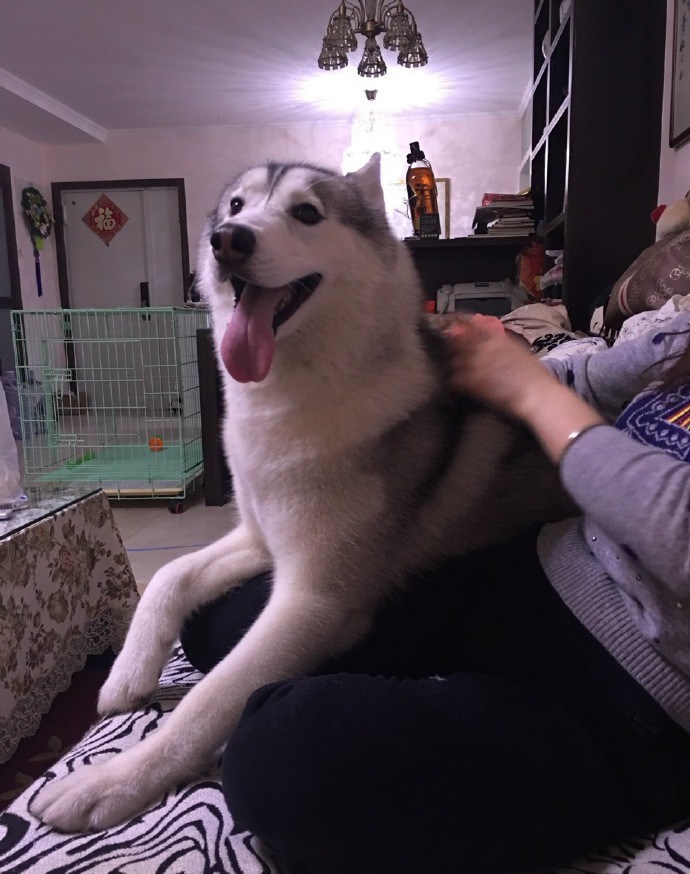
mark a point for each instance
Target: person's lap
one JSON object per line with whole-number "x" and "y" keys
{"x": 453, "y": 738}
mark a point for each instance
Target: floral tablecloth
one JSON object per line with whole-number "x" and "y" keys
{"x": 66, "y": 592}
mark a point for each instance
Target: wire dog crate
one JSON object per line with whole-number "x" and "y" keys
{"x": 110, "y": 399}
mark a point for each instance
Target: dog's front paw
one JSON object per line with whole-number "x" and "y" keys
{"x": 129, "y": 685}
{"x": 90, "y": 799}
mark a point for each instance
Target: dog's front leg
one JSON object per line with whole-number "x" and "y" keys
{"x": 174, "y": 591}
{"x": 296, "y": 630}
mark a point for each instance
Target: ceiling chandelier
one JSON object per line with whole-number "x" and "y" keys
{"x": 370, "y": 18}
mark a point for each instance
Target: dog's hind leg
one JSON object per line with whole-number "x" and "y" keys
{"x": 300, "y": 626}
{"x": 173, "y": 593}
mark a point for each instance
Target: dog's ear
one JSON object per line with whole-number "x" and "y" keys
{"x": 368, "y": 179}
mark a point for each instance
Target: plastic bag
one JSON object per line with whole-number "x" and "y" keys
{"x": 9, "y": 383}
{"x": 10, "y": 479}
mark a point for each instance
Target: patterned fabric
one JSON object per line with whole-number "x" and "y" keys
{"x": 657, "y": 274}
{"x": 548, "y": 342}
{"x": 568, "y": 348}
{"x": 653, "y": 319}
{"x": 66, "y": 592}
{"x": 190, "y": 830}
{"x": 667, "y": 852}
{"x": 661, "y": 420}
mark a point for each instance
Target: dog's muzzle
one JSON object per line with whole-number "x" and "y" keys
{"x": 232, "y": 245}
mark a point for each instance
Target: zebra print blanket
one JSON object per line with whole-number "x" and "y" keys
{"x": 190, "y": 831}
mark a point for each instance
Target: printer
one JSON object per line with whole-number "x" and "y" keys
{"x": 489, "y": 298}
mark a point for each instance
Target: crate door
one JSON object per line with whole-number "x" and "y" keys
{"x": 117, "y": 239}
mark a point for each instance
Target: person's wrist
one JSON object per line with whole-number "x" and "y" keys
{"x": 527, "y": 404}
{"x": 556, "y": 415}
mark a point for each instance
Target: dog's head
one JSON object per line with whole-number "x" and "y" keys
{"x": 281, "y": 236}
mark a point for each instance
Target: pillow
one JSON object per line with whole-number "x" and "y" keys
{"x": 654, "y": 277}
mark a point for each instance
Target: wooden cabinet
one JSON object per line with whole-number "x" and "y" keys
{"x": 464, "y": 259}
{"x": 592, "y": 134}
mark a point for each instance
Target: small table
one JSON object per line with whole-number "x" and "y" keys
{"x": 66, "y": 592}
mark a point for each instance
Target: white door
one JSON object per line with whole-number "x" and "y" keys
{"x": 113, "y": 352}
{"x": 108, "y": 273}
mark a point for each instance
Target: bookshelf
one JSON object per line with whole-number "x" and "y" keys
{"x": 592, "y": 137}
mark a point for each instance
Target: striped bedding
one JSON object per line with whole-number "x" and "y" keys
{"x": 190, "y": 830}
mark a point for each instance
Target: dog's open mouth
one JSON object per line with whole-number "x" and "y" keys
{"x": 296, "y": 293}
{"x": 248, "y": 344}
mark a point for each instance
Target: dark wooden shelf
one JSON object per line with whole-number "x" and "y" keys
{"x": 564, "y": 107}
{"x": 542, "y": 72}
{"x": 559, "y": 33}
{"x": 550, "y": 226}
{"x": 479, "y": 258}
{"x": 466, "y": 242}
{"x": 588, "y": 145}
{"x": 540, "y": 142}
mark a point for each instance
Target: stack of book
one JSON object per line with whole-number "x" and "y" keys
{"x": 505, "y": 215}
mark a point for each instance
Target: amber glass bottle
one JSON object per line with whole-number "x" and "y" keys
{"x": 422, "y": 195}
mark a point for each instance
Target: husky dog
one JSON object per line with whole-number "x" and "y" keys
{"x": 352, "y": 466}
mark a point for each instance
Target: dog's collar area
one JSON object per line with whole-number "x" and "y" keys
{"x": 297, "y": 292}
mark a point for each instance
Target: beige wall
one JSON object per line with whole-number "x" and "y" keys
{"x": 28, "y": 162}
{"x": 674, "y": 170}
{"x": 477, "y": 153}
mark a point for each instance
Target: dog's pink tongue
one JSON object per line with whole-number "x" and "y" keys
{"x": 248, "y": 344}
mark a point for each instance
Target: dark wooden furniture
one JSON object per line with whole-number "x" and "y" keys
{"x": 465, "y": 259}
{"x": 217, "y": 479}
{"x": 10, "y": 287}
{"x": 592, "y": 134}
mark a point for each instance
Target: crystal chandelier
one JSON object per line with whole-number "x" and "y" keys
{"x": 370, "y": 18}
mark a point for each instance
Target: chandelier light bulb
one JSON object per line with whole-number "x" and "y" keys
{"x": 414, "y": 54}
{"x": 372, "y": 64}
{"x": 331, "y": 57}
{"x": 371, "y": 18}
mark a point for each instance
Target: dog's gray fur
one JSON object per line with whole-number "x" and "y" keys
{"x": 352, "y": 463}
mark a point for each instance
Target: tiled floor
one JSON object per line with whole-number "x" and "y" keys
{"x": 153, "y": 536}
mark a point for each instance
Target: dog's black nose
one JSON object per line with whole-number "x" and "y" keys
{"x": 232, "y": 245}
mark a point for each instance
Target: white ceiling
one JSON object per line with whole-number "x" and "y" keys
{"x": 72, "y": 70}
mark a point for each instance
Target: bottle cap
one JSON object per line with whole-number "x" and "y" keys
{"x": 416, "y": 154}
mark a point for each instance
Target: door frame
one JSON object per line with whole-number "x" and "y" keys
{"x": 14, "y": 301}
{"x": 57, "y": 188}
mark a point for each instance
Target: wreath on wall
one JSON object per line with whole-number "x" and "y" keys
{"x": 37, "y": 215}
{"x": 40, "y": 224}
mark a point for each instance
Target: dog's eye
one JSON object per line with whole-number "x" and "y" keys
{"x": 306, "y": 213}
{"x": 236, "y": 205}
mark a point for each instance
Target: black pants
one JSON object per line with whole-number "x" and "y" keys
{"x": 478, "y": 729}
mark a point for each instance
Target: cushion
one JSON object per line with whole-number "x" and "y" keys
{"x": 661, "y": 271}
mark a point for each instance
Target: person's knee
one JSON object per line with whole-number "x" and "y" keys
{"x": 280, "y": 758}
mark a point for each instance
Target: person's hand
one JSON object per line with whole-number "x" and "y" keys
{"x": 493, "y": 365}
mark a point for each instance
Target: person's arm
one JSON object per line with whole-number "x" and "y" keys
{"x": 639, "y": 494}
{"x": 560, "y": 397}
{"x": 609, "y": 379}
{"x": 498, "y": 370}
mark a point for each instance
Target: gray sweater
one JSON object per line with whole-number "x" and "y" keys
{"x": 623, "y": 568}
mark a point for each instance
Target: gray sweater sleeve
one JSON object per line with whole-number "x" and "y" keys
{"x": 639, "y": 495}
{"x": 609, "y": 379}
{"x": 633, "y": 492}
